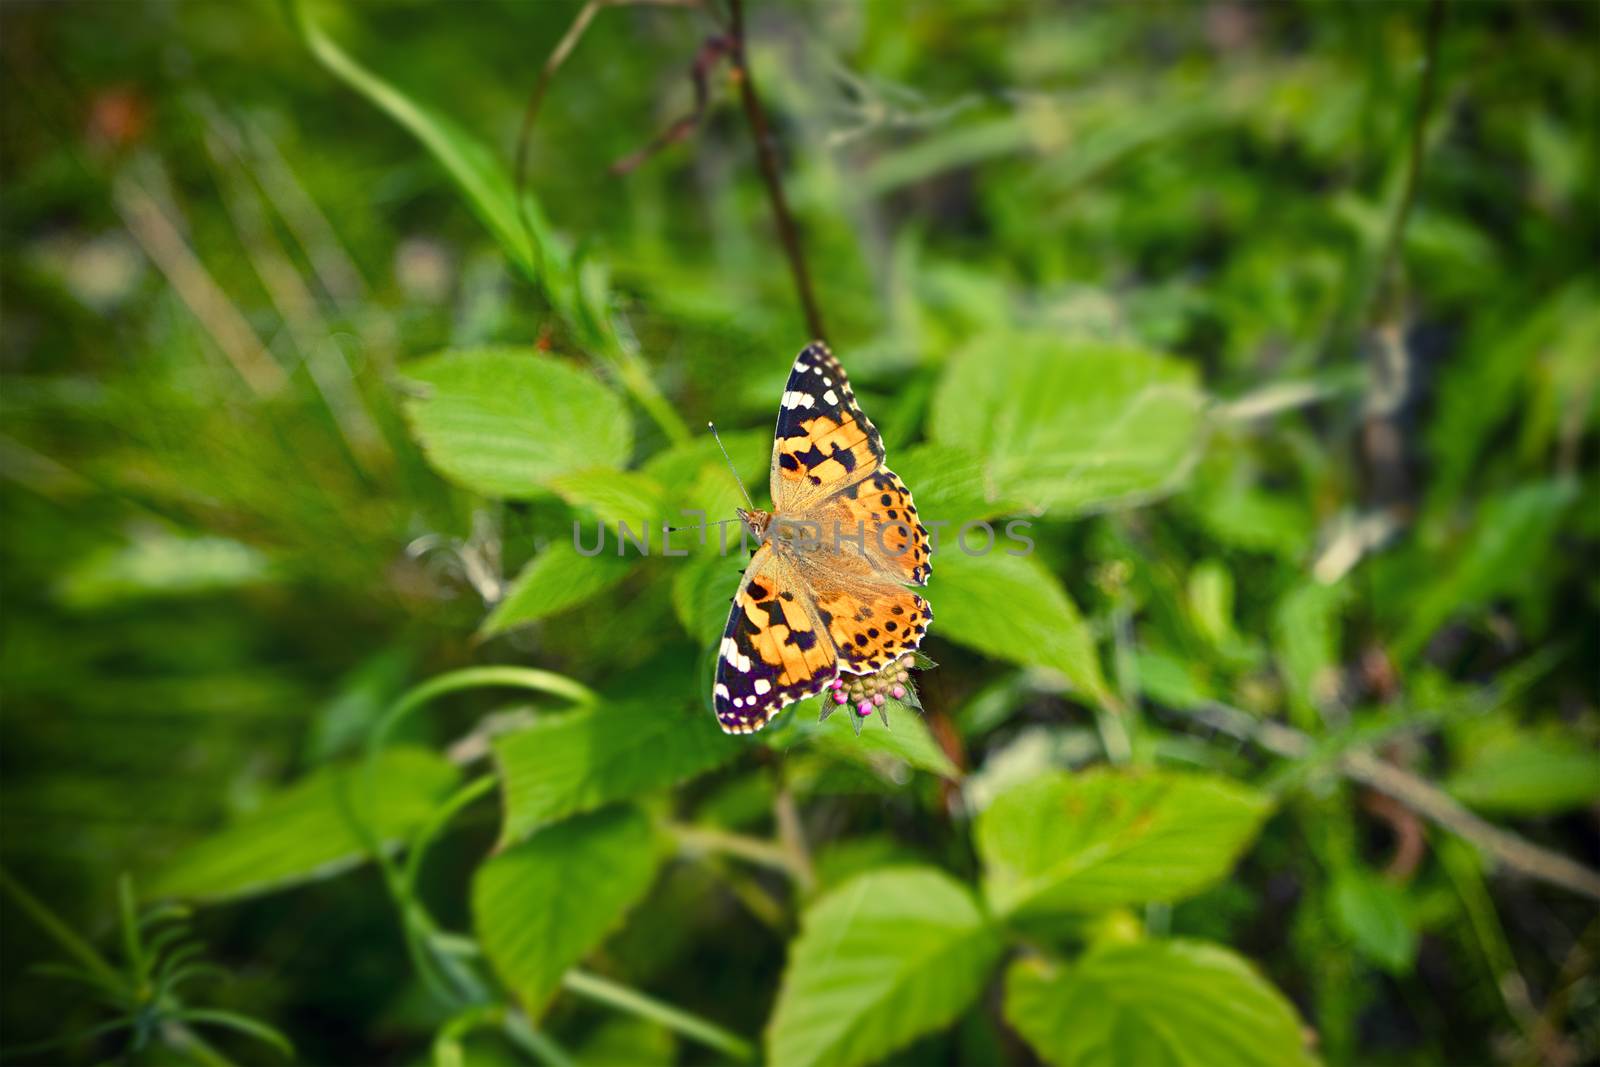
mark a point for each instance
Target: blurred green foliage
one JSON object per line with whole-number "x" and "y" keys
{"x": 1280, "y": 746}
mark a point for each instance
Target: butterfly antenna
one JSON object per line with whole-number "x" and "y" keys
{"x": 731, "y": 468}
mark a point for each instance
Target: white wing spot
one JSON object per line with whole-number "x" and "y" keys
{"x": 762, "y": 686}
{"x": 731, "y": 653}
{"x": 798, "y": 400}
{"x": 830, "y": 397}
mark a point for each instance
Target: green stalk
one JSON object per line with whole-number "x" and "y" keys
{"x": 60, "y": 932}
{"x": 524, "y": 1036}
{"x": 441, "y": 817}
{"x": 415, "y": 923}
{"x": 129, "y": 914}
{"x": 489, "y": 192}
{"x": 634, "y": 1002}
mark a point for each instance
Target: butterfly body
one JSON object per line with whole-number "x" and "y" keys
{"x": 825, "y": 592}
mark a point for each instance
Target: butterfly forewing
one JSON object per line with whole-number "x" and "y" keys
{"x": 823, "y": 441}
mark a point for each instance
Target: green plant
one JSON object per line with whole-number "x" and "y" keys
{"x": 143, "y": 996}
{"x": 1275, "y": 322}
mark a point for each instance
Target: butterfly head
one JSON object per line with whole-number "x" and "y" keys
{"x": 755, "y": 521}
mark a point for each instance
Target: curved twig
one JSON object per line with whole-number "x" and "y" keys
{"x": 767, "y": 157}
{"x": 558, "y": 56}
{"x": 1423, "y": 797}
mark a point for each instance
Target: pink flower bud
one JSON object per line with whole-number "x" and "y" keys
{"x": 877, "y": 699}
{"x": 840, "y": 698}
{"x": 899, "y": 692}
{"x": 864, "y": 708}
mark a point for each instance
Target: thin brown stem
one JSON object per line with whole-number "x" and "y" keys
{"x": 1505, "y": 847}
{"x": 553, "y": 62}
{"x": 714, "y": 48}
{"x": 767, "y": 158}
{"x": 1423, "y": 797}
{"x": 164, "y": 244}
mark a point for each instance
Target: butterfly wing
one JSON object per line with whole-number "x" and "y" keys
{"x": 871, "y": 622}
{"x": 823, "y": 441}
{"x": 774, "y": 649}
{"x": 803, "y": 614}
{"x": 877, "y": 518}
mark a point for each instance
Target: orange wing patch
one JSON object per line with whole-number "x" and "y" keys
{"x": 772, "y": 652}
{"x": 827, "y": 452}
{"x": 873, "y": 625}
{"x": 783, "y": 635}
{"x": 895, "y": 541}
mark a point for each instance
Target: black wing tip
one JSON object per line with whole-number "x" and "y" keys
{"x": 817, "y": 353}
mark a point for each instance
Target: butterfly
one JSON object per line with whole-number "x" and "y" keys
{"x": 825, "y": 592}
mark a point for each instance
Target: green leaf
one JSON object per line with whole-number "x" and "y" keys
{"x": 1103, "y": 838}
{"x": 1510, "y": 532}
{"x": 1210, "y": 599}
{"x": 1305, "y": 632}
{"x": 880, "y": 960}
{"x": 1012, "y": 608}
{"x": 541, "y": 906}
{"x": 625, "y": 1039}
{"x": 1155, "y": 1004}
{"x": 1372, "y": 913}
{"x": 1174, "y": 680}
{"x": 1529, "y": 774}
{"x": 950, "y": 486}
{"x": 907, "y": 738}
{"x": 476, "y": 170}
{"x": 243, "y": 1024}
{"x": 1228, "y": 497}
{"x": 615, "y": 496}
{"x": 158, "y": 566}
{"x": 554, "y": 580}
{"x": 702, "y": 590}
{"x": 681, "y": 466}
{"x": 310, "y": 829}
{"x": 581, "y": 760}
{"x": 1068, "y": 425}
{"x": 576, "y": 287}
{"x": 506, "y": 423}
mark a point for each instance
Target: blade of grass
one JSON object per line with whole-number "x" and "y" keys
{"x": 62, "y": 934}
{"x": 241, "y": 1023}
{"x": 575, "y": 291}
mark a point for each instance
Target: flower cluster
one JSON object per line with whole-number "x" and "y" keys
{"x": 866, "y": 693}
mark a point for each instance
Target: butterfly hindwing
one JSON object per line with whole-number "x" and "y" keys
{"x": 823, "y": 440}
{"x": 773, "y": 651}
{"x": 872, "y": 624}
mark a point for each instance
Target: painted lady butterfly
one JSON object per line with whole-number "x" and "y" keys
{"x": 825, "y": 592}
